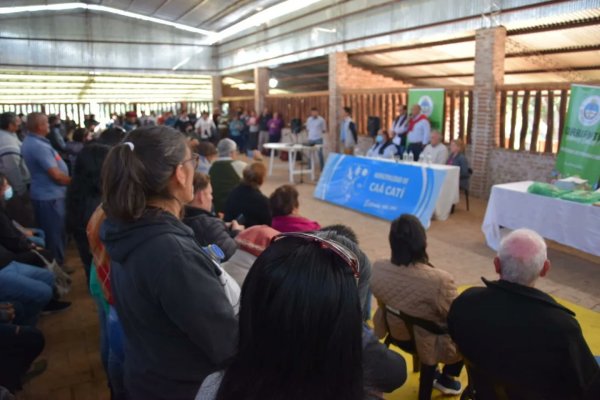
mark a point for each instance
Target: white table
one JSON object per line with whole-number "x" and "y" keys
{"x": 449, "y": 193}
{"x": 566, "y": 222}
{"x": 293, "y": 150}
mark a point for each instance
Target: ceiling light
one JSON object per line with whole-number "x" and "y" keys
{"x": 273, "y": 83}
{"x": 261, "y": 17}
{"x": 111, "y": 10}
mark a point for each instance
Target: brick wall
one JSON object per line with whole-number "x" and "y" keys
{"x": 352, "y": 77}
{"x": 344, "y": 76}
{"x": 514, "y": 166}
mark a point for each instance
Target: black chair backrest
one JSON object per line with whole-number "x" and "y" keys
{"x": 411, "y": 321}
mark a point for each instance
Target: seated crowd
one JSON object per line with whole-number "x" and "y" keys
{"x": 208, "y": 289}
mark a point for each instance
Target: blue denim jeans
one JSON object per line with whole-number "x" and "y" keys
{"x": 50, "y": 214}
{"x": 32, "y": 286}
{"x": 321, "y": 159}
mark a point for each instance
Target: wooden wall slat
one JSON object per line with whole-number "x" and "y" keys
{"x": 502, "y": 132}
{"x": 461, "y": 116}
{"x": 563, "y": 114}
{"x": 513, "y": 119}
{"x": 550, "y": 123}
{"x": 537, "y": 113}
{"x": 524, "y": 119}
{"x": 470, "y": 118}
{"x": 451, "y": 131}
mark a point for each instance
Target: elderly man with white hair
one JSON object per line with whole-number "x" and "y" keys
{"x": 518, "y": 341}
{"x": 225, "y": 173}
{"x": 435, "y": 152}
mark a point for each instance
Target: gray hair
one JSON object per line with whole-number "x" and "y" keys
{"x": 522, "y": 255}
{"x": 225, "y": 147}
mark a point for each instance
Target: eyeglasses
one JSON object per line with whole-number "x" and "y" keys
{"x": 342, "y": 252}
{"x": 195, "y": 159}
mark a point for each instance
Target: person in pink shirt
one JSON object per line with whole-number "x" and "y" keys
{"x": 285, "y": 208}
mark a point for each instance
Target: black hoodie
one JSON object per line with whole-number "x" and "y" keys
{"x": 178, "y": 323}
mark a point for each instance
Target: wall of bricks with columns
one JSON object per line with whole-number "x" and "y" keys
{"x": 489, "y": 77}
{"x": 345, "y": 76}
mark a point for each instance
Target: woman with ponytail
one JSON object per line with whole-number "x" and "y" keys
{"x": 411, "y": 285}
{"x": 178, "y": 322}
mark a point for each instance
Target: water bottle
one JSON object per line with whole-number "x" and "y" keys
{"x": 428, "y": 159}
{"x": 214, "y": 252}
{"x": 411, "y": 157}
{"x": 405, "y": 156}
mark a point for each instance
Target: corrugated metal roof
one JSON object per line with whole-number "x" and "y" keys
{"x": 213, "y": 15}
{"x": 553, "y": 49}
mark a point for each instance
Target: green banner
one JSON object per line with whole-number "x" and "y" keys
{"x": 579, "y": 153}
{"x": 432, "y": 105}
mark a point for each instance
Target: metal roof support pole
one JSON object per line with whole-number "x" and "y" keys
{"x": 489, "y": 79}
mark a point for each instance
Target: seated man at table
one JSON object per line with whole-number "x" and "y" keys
{"x": 225, "y": 173}
{"x": 518, "y": 337}
{"x": 436, "y": 151}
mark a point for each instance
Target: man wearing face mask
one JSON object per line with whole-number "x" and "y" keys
{"x": 384, "y": 146}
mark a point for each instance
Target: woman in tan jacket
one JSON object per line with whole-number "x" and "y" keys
{"x": 410, "y": 284}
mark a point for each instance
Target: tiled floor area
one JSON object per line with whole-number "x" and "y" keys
{"x": 456, "y": 245}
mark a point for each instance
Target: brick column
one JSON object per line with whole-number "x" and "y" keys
{"x": 261, "y": 80}
{"x": 217, "y": 91}
{"x": 489, "y": 77}
{"x": 338, "y": 63}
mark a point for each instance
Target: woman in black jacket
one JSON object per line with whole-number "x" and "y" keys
{"x": 84, "y": 192}
{"x": 207, "y": 227}
{"x": 246, "y": 203}
{"x": 176, "y": 316}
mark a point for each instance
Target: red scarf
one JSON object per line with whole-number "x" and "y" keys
{"x": 413, "y": 121}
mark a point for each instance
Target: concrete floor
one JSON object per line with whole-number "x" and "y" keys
{"x": 456, "y": 245}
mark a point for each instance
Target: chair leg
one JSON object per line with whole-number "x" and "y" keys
{"x": 426, "y": 381}
{"x": 416, "y": 363}
{"x": 467, "y": 196}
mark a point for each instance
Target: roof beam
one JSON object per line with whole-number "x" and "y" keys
{"x": 305, "y": 76}
{"x": 514, "y": 72}
{"x": 555, "y": 27}
{"x": 301, "y": 64}
{"x": 531, "y": 53}
{"x": 414, "y": 46}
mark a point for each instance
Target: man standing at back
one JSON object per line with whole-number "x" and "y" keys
{"x": 519, "y": 340}
{"x": 13, "y": 166}
{"x": 399, "y": 129}
{"x": 49, "y": 180}
{"x": 316, "y": 127}
{"x": 419, "y": 131}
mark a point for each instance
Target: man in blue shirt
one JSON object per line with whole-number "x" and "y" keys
{"x": 49, "y": 180}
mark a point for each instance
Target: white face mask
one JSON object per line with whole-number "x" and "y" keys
{"x": 8, "y": 193}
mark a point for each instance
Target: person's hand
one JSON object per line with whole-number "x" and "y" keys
{"x": 29, "y": 233}
{"x": 235, "y": 226}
